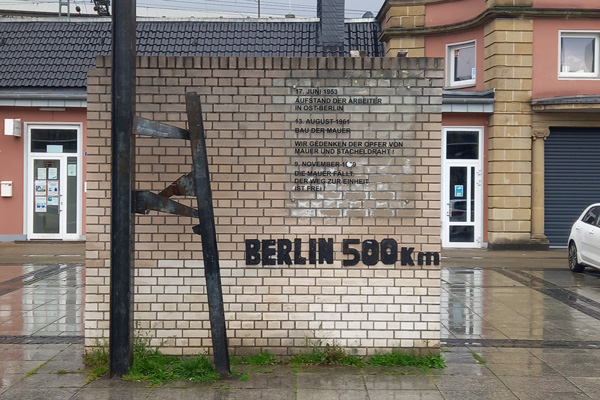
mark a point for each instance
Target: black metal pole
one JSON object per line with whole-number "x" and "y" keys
{"x": 123, "y": 176}
{"x": 207, "y": 230}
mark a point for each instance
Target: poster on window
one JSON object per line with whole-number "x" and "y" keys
{"x": 52, "y": 201}
{"x": 52, "y": 173}
{"x": 41, "y": 173}
{"x": 40, "y": 187}
{"x": 40, "y": 205}
{"x": 52, "y": 188}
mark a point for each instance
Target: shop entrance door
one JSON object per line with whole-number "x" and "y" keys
{"x": 462, "y": 189}
{"x": 53, "y": 204}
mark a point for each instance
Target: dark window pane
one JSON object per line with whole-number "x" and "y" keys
{"x": 472, "y": 194}
{"x": 462, "y": 233}
{"x": 591, "y": 216}
{"x": 464, "y": 62}
{"x": 458, "y": 187}
{"x": 46, "y": 196}
{"x": 53, "y": 141}
{"x": 462, "y": 145}
{"x": 71, "y": 194}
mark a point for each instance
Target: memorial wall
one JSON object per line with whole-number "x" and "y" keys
{"x": 326, "y": 187}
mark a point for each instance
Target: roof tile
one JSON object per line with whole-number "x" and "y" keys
{"x": 58, "y": 54}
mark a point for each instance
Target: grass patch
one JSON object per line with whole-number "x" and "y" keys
{"x": 262, "y": 358}
{"x": 328, "y": 355}
{"x": 399, "y": 359}
{"x": 479, "y": 359}
{"x": 152, "y": 366}
{"x": 96, "y": 362}
{"x": 35, "y": 370}
{"x": 334, "y": 355}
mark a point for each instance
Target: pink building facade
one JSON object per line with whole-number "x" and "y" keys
{"x": 42, "y": 153}
{"x": 520, "y": 126}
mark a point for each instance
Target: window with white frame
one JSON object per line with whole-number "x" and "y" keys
{"x": 461, "y": 61}
{"x": 578, "y": 54}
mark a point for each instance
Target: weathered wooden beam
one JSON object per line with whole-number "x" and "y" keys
{"x": 123, "y": 181}
{"x": 206, "y": 229}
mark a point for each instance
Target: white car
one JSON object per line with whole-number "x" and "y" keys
{"x": 584, "y": 240}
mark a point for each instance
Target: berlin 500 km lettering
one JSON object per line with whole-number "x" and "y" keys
{"x": 369, "y": 252}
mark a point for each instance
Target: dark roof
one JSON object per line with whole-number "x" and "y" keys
{"x": 470, "y": 96}
{"x": 57, "y": 54}
{"x": 561, "y": 100}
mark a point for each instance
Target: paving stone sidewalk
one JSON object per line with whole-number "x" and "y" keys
{"x": 504, "y": 335}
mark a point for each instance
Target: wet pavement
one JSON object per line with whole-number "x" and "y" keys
{"x": 515, "y": 325}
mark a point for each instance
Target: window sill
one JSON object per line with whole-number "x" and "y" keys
{"x": 460, "y": 85}
{"x": 577, "y": 77}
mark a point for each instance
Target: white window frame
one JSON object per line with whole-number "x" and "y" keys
{"x": 450, "y": 69}
{"x": 28, "y": 187}
{"x": 583, "y": 35}
{"x": 477, "y": 188}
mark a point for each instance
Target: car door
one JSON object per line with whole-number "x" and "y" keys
{"x": 590, "y": 237}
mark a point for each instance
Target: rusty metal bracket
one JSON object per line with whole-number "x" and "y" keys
{"x": 183, "y": 186}
{"x": 147, "y": 201}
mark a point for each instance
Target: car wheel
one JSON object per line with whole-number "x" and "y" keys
{"x": 574, "y": 265}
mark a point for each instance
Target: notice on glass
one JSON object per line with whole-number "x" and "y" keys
{"x": 41, "y": 173}
{"x": 52, "y": 201}
{"x": 40, "y": 187}
{"x": 72, "y": 170}
{"x": 52, "y": 188}
{"x": 40, "y": 205}
{"x": 52, "y": 173}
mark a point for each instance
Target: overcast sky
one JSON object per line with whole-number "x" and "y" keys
{"x": 204, "y": 8}
{"x": 300, "y": 8}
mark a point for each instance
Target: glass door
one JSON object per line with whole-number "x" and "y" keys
{"x": 462, "y": 193}
{"x": 47, "y": 197}
{"x": 53, "y": 204}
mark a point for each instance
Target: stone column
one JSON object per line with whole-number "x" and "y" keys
{"x": 405, "y": 17}
{"x": 539, "y": 135}
{"x": 508, "y": 61}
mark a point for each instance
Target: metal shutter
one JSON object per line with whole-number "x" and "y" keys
{"x": 572, "y": 178}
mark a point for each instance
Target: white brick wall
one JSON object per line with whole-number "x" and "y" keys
{"x": 251, "y": 121}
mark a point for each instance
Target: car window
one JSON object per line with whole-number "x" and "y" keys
{"x": 591, "y": 217}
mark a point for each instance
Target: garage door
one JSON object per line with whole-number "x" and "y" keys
{"x": 572, "y": 178}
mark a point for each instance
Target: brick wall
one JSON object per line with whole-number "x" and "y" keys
{"x": 299, "y": 149}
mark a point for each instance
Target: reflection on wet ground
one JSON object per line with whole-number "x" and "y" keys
{"x": 491, "y": 306}
{"x": 41, "y": 303}
{"x": 513, "y": 308}
{"x": 507, "y": 334}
